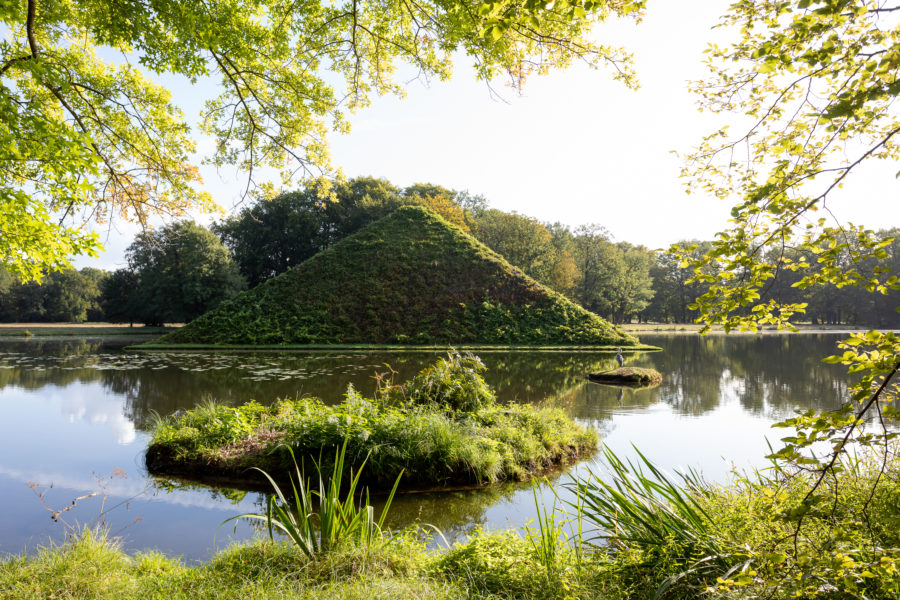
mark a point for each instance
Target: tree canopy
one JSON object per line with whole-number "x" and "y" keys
{"x": 88, "y": 134}
{"x": 175, "y": 274}
{"x": 817, "y": 80}
{"x": 272, "y": 235}
{"x": 62, "y": 296}
{"x": 523, "y": 241}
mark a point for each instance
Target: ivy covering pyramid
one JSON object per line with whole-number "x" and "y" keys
{"x": 410, "y": 278}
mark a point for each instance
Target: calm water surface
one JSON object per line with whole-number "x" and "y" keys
{"x": 75, "y": 415}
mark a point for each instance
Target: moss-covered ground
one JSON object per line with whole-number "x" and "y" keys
{"x": 442, "y": 429}
{"x": 410, "y": 278}
{"x": 633, "y": 376}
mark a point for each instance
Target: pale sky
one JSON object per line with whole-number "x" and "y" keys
{"x": 576, "y": 147}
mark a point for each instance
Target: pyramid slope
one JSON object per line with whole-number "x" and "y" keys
{"x": 410, "y": 278}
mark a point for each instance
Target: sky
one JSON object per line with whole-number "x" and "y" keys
{"x": 575, "y": 147}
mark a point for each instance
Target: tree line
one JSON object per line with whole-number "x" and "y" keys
{"x": 183, "y": 269}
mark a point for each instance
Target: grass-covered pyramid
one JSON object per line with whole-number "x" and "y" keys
{"x": 410, "y": 278}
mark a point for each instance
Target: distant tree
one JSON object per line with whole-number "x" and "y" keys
{"x": 884, "y": 305}
{"x": 274, "y": 235}
{"x": 442, "y": 203}
{"x": 595, "y": 258}
{"x": 182, "y": 271}
{"x": 424, "y": 190}
{"x": 673, "y": 290}
{"x": 62, "y": 296}
{"x": 119, "y": 297}
{"x": 565, "y": 274}
{"x": 358, "y": 202}
{"x": 271, "y": 236}
{"x": 472, "y": 206}
{"x": 613, "y": 279}
{"x": 7, "y": 284}
{"x": 523, "y": 241}
{"x": 629, "y": 288}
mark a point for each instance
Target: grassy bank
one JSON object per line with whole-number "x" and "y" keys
{"x": 492, "y": 566}
{"x": 663, "y": 540}
{"x": 151, "y": 346}
{"x": 443, "y": 428}
{"x": 78, "y": 330}
{"x": 695, "y": 328}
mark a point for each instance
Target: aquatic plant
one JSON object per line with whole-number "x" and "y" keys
{"x": 638, "y": 506}
{"x": 325, "y": 519}
{"x": 549, "y": 539}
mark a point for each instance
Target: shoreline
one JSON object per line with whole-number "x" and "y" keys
{"x": 151, "y": 347}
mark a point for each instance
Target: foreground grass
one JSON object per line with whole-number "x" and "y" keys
{"x": 92, "y": 567}
{"x": 729, "y": 542}
{"x": 500, "y": 565}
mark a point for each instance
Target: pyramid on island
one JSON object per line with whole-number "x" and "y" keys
{"x": 410, "y": 278}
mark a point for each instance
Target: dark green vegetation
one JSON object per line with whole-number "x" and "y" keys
{"x": 442, "y": 428}
{"x": 661, "y": 537}
{"x": 410, "y": 278}
{"x": 78, "y": 331}
{"x": 329, "y": 516}
{"x": 271, "y": 236}
{"x": 63, "y": 296}
{"x": 174, "y": 274}
{"x": 826, "y": 303}
{"x": 685, "y": 538}
{"x": 636, "y": 376}
{"x": 620, "y": 281}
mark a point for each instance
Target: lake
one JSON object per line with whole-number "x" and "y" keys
{"x": 75, "y": 415}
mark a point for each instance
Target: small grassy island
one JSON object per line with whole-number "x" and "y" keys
{"x": 442, "y": 429}
{"x": 410, "y": 278}
{"x": 630, "y": 376}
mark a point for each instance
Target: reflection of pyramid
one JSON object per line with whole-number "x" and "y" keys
{"x": 410, "y": 278}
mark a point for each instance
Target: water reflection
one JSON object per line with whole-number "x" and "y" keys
{"x": 73, "y": 408}
{"x": 165, "y": 382}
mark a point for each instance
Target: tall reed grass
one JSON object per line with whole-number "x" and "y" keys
{"x": 324, "y": 519}
{"x": 636, "y": 506}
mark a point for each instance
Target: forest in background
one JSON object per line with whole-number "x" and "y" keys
{"x": 183, "y": 269}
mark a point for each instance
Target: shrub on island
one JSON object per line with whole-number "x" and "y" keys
{"x": 443, "y": 428}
